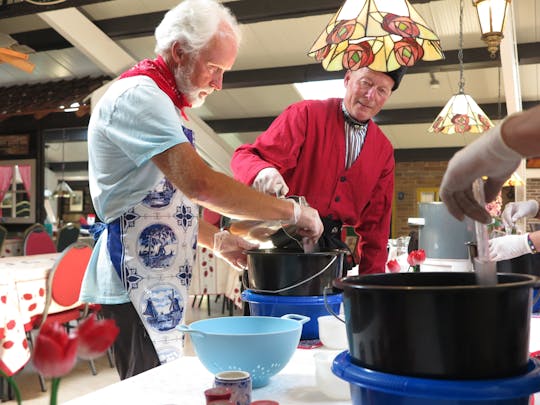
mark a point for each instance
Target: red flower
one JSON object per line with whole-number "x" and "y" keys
{"x": 358, "y": 55}
{"x": 96, "y": 336}
{"x": 400, "y": 25}
{"x": 408, "y": 51}
{"x": 393, "y": 266}
{"x": 416, "y": 257}
{"x": 341, "y": 31}
{"x": 55, "y": 352}
{"x": 461, "y": 123}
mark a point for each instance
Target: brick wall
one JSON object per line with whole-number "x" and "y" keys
{"x": 410, "y": 176}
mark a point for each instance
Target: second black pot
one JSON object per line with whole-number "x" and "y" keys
{"x": 438, "y": 324}
{"x": 285, "y": 272}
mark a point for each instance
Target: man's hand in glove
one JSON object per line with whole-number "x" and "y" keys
{"x": 517, "y": 210}
{"x": 508, "y": 247}
{"x": 231, "y": 248}
{"x": 269, "y": 181}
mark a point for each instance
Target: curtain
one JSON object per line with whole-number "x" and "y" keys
{"x": 6, "y": 175}
{"x": 25, "y": 172}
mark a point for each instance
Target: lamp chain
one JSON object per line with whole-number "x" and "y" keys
{"x": 460, "y": 51}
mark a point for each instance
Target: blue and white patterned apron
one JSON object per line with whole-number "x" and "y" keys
{"x": 153, "y": 247}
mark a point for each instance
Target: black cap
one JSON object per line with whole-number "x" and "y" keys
{"x": 396, "y": 76}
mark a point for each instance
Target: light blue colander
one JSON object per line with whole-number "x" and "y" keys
{"x": 260, "y": 345}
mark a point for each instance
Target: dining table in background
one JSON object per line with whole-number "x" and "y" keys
{"x": 23, "y": 284}
{"x": 12, "y": 246}
{"x": 212, "y": 275}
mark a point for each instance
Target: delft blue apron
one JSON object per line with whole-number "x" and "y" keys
{"x": 153, "y": 247}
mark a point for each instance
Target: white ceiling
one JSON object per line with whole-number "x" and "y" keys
{"x": 282, "y": 42}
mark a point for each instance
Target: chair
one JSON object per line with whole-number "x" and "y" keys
{"x": 63, "y": 287}
{"x": 66, "y": 235}
{"x": 3, "y": 235}
{"x": 37, "y": 241}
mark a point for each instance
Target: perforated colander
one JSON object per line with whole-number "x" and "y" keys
{"x": 260, "y": 345}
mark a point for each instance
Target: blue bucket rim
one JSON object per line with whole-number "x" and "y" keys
{"x": 493, "y": 389}
{"x": 250, "y": 296}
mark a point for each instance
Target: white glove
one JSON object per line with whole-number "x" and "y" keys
{"x": 308, "y": 223}
{"x": 486, "y": 156}
{"x": 269, "y": 181}
{"x": 516, "y": 210}
{"x": 508, "y": 247}
{"x": 231, "y": 248}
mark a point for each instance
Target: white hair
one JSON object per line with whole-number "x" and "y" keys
{"x": 193, "y": 23}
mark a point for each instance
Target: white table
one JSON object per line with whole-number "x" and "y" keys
{"x": 184, "y": 381}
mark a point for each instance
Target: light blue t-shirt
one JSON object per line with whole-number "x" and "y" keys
{"x": 132, "y": 122}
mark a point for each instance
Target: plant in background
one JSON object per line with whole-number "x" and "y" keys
{"x": 415, "y": 259}
{"x": 496, "y": 227}
{"x": 56, "y": 350}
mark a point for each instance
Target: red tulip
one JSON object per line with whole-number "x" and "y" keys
{"x": 393, "y": 266}
{"x": 96, "y": 336}
{"x": 55, "y": 352}
{"x": 416, "y": 257}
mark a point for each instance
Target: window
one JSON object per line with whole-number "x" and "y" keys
{"x": 18, "y": 191}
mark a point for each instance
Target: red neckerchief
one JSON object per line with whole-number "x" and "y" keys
{"x": 159, "y": 72}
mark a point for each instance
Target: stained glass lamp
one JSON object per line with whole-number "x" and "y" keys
{"x": 461, "y": 113}
{"x": 380, "y": 34}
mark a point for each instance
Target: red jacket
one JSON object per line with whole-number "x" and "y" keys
{"x": 306, "y": 143}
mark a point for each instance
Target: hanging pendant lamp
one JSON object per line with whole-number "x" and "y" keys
{"x": 380, "y": 34}
{"x": 461, "y": 113}
{"x": 63, "y": 190}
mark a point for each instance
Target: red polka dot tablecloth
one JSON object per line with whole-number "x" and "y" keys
{"x": 22, "y": 295}
{"x": 214, "y": 276}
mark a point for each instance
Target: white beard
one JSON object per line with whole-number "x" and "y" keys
{"x": 189, "y": 91}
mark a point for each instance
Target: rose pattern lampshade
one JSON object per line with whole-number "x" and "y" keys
{"x": 380, "y": 34}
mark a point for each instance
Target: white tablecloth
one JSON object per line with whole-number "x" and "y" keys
{"x": 183, "y": 382}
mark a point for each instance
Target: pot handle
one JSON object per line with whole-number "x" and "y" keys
{"x": 294, "y": 285}
{"x": 187, "y": 329}
{"x": 296, "y": 317}
{"x": 328, "y": 308}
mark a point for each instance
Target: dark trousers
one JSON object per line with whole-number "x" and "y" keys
{"x": 133, "y": 349}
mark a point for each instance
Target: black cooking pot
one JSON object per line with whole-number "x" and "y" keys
{"x": 438, "y": 324}
{"x": 285, "y": 272}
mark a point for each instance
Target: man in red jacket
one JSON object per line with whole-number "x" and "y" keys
{"x": 331, "y": 152}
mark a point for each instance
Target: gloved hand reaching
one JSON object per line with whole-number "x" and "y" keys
{"x": 308, "y": 222}
{"x": 231, "y": 248}
{"x": 269, "y": 181}
{"x": 508, "y": 247}
{"x": 486, "y": 156}
{"x": 517, "y": 210}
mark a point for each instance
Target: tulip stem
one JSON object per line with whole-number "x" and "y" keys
{"x": 13, "y": 385}
{"x": 55, "y": 383}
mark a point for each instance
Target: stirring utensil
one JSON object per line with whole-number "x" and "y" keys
{"x": 485, "y": 270}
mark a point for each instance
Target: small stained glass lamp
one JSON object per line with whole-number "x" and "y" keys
{"x": 380, "y": 34}
{"x": 461, "y": 113}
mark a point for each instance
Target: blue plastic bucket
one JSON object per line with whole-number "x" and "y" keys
{"x": 370, "y": 387}
{"x": 277, "y": 305}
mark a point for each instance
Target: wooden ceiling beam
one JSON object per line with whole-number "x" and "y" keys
{"x": 8, "y": 10}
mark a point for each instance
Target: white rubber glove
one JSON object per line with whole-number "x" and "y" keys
{"x": 269, "y": 181}
{"x": 517, "y": 210}
{"x": 231, "y": 248}
{"x": 508, "y": 247}
{"x": 486, "y": 156}
{"x": 308, "y": 223}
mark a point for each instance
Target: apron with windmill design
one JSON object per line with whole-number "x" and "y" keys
{"x": 152, "y": 247}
